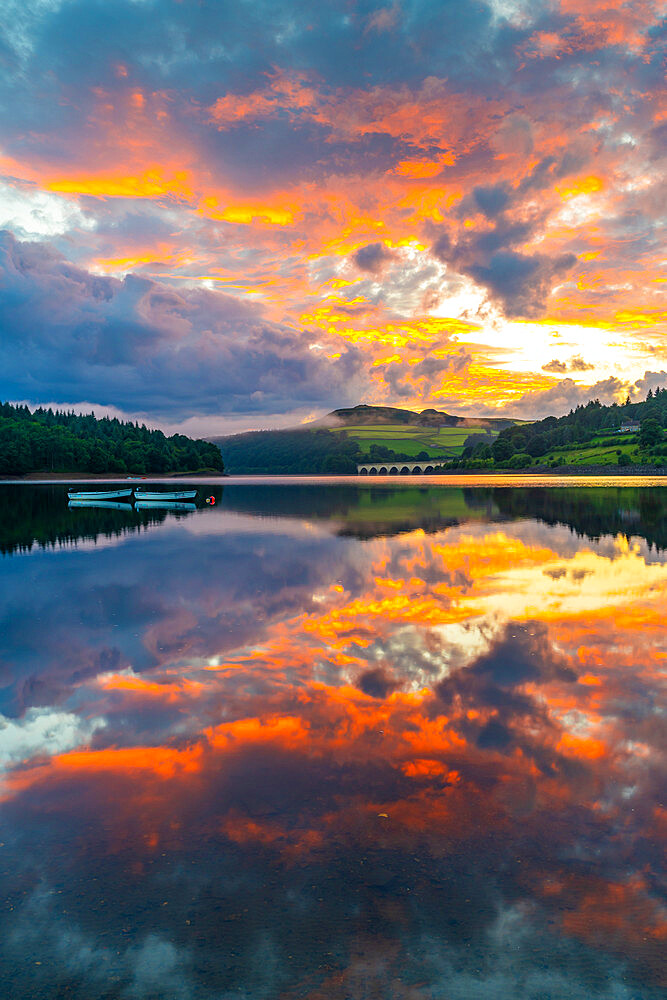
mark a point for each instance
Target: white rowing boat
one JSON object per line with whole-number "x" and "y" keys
{"x": 166, "y": 495}
{"x": 99, "y": 494}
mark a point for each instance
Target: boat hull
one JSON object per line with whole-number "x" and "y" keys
{"x": 166, "y": 495}
{"x": 99, "y": 494}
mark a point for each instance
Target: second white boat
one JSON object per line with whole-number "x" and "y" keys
{"x": 167, "y": 495}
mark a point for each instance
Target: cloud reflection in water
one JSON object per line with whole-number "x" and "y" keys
{"x": 296, "y": 763}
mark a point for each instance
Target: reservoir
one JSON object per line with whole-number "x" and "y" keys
{"x": 342, "y": 739}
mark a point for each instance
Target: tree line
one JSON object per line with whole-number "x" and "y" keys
{"x": 47, "y": 440}
{"x": 519, "y": 445}
{"x": 291, "y": 452}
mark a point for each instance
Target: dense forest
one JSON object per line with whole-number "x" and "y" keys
{"x": 56, "y": 441}
{"x": 300, "y": 451}
{"x": 587, "y": 423}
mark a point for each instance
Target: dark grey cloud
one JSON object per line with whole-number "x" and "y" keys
{"x": 230, "y": 41}
{"x": 519, "y": 282}
{"x": 372, "y": 258}
{"x": 283, "y": 151}
{"x": 652, "y": 381}
{"x": 558, "y": 367}
{"x": 377, "y": 683}
{"x": 575, "y": 364}
{"x": 196, "y": 53}
{"x": 491, "y": 200}
{"x": 70, "y": 335}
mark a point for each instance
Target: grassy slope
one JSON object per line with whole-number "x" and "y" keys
{"x": 596, "y": 452}
{"x": 446, "y": 442}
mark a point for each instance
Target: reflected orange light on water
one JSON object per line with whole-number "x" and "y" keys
{"x": 480, "y": 684}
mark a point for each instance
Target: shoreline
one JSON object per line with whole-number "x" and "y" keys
{"x": 612, "y": 473}
{"x": 108, "y": 477}
{"x": 565, "y": 470}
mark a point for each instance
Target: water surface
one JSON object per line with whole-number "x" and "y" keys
{"x": 355, "y": 740}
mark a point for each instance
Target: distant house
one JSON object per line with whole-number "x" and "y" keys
{"x": 630, "y": 426}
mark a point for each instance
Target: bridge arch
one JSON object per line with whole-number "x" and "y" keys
{"x": 404, "y": 468}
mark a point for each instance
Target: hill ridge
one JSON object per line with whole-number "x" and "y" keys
{"x": 368, "y": 413}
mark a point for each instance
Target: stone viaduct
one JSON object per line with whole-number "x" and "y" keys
{"x": 397, "y": 468}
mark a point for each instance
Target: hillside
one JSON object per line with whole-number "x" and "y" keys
{"x": 588, "y": 436}
{"x": 344, "y": 438}
{"x": 55, "y": 441}
{"x": 364, "y": 414}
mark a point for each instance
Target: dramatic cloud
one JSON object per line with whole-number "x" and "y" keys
{"x": 334, "y": 174}
{"x": 42, "y": 732}
{"x": 135, "y": 344}
{"x": 567, "y": 395}
{"x": 520, "y": 282}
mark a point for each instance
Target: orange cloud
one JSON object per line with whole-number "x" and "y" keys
{"x": 150, "y": 184}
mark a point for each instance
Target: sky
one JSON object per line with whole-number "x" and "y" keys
{"x": 225, "y": 216}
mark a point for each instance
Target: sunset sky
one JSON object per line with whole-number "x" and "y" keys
{"x": 224, "y": 216}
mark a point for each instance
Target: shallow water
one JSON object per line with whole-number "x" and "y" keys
{"x": 335, "y": 740}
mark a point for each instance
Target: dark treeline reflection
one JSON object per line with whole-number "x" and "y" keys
{"x": 39, "y": 516}
{"x": 594, "y": 512}
{"x": 335, "y": 743}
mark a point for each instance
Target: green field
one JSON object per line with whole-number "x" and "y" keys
{"x": 596, "y": 452}
{"x": 447, "y": 443}
{"x": 443, "y": 442}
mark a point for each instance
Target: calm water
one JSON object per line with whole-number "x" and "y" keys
{"x": 354, "y": 741}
